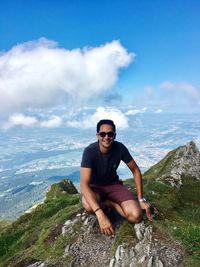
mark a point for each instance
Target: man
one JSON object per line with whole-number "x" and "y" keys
{"x": 100, "y": 185}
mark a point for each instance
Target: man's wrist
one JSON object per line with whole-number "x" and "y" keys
{"x": 99, "y": 208}
{"x": 142, "y": 199}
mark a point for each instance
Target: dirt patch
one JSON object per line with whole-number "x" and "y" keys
{"x": 55, "y": 232}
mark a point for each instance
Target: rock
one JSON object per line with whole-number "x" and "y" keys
{"x": 183, "y": 161}
{"x": 147, "y": 252}
{"x": 68, "y": 226}
{"x": 139, "y": 230}
{"x": 39, "y": 264}
{"x": 160, "y": 264}
{"x": 112, "y": 262}
{"x": 91, "y": 248}
{"x": 150, "y": 262}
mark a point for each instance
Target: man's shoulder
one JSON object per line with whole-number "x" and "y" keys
{"x": 118, "y": 144}
{"x": 92, "y": 146}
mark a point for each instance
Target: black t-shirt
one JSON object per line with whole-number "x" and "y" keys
{"x": 104, "y": 166}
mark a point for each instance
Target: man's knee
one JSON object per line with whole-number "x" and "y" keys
{"x": 134, "y": 216}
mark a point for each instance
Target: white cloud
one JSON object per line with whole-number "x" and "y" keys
{"x": 135, "y": 111}
{"x": 39, "y": 73}
{"x": 90, "y": 121}
{"x": 19, "y": 119}
{"x": 53, "y": 122}
{"x": 158, "y": 111}
{"x": 190, "y": 90}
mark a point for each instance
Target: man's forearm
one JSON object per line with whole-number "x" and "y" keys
{"x": 138, "y": 183}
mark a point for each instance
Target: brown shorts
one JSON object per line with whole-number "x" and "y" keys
{"x": 115, "y": 192}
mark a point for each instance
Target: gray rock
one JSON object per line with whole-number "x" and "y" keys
{"x": 139, "y": 230}
{"x": 186, "y": 162}
{"x": 39, "y": 264}
{"x": 150, "y": 262}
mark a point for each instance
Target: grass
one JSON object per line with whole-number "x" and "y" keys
{"x": 178, "y": 215}
{"x": 126, "y": 233}
{"x": 37, "y": 235}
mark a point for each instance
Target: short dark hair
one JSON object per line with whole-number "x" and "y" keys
{"x": 109, "y": 122}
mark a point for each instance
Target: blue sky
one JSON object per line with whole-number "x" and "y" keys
{"x": 160, "y": 68}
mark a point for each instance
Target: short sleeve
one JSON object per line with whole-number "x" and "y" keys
{"x": 86, "y": 158}
{"x": 126, "y": 156}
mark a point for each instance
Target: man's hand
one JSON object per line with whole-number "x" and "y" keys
{"x": 104, "y": 223}
{"x": 147, "y": 207}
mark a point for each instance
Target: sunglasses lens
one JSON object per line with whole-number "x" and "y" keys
{"x": 109, "y": 134}
{"x": 102, "y": 134}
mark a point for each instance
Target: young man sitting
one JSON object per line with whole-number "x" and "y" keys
{"x": 100, "y": 182}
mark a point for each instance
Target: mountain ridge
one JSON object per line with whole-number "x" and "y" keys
{"x": 180, "y": 162}
{"x": 59, "y": 232}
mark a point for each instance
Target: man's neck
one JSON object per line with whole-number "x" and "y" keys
{"x": 104, "y": 150}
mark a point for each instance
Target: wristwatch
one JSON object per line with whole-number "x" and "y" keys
{"x": 142, "y": 200}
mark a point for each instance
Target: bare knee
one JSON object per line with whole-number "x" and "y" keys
{"x": 134, "y": 216}
{"x": 132, "y": 211}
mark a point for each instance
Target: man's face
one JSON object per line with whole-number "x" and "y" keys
{"x": 106, "y": 140}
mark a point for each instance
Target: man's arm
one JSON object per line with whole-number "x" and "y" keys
{"x": 104, "y": 223}
{"x": 139, "y": 187}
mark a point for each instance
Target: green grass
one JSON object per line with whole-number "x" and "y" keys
{"x": 178, "y": 215}
{"x": 37, "y": 235}
{"x": 162, "y": 167}
{"x": 4, "y": 225}
{"x": 126, "y": 233}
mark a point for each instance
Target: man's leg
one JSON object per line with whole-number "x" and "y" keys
{"x": 132, "y": 211}
{"x": 85, "y": 204}
{"x": 128, "y": 209}
{"x": 115, "y": 206}
{"x": 124, "y": 202}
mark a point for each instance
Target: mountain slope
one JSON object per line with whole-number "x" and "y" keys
{"x": 183, "y": 161}
{"x": 59, "y": 233}
{"x": 32, "y": 236}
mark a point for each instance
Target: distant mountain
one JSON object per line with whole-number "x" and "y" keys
{"x": 59, "y": 233}
{"x": 181, "y": 162}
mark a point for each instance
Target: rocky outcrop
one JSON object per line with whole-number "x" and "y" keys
{"x": 92, "y": 249}
{"x": 149, "y": 251}
{"x": 64, "y": 187}
{"x": 181, "y": 162}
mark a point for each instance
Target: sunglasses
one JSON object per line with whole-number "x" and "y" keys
{"x": 109, "y": 134}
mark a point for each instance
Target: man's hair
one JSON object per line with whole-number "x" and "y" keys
{"x": 109, "y": 122}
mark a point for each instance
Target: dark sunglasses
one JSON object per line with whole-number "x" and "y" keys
{"x": 109, "y": 134}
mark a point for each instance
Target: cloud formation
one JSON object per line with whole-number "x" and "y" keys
{"x": 136, "y": 111}
{"x": 19, "y": 119}
{"x": 182, "y": 87}
{"x": 80, "y": 118}
{"x": 158, "y": 111}
{"x": 39, "y": 73}
{"x": 88, "y": 122}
